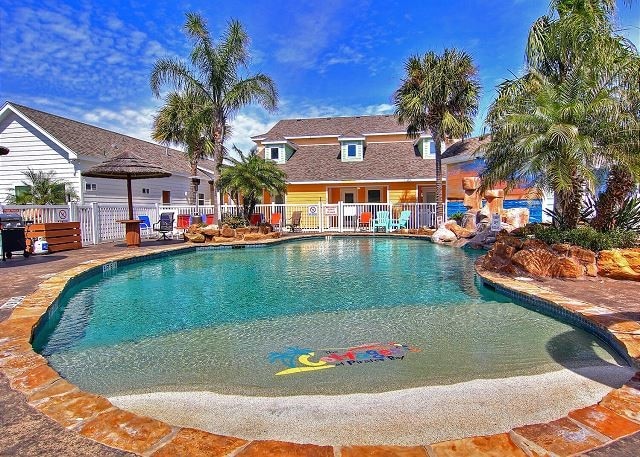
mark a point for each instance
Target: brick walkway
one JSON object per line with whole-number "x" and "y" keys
{"x": 25, "y": 431}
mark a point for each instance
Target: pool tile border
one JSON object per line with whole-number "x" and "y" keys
{"x": 96, "y": 418}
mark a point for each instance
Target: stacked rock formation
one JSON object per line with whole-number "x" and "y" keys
{"x": 226, "y": 234}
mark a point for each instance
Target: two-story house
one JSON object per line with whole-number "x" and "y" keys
{"x": 357, "y": 159}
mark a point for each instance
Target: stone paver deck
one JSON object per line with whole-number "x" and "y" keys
{"x": 42, "y": 414}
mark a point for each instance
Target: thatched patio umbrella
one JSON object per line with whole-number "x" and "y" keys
{"x": 127, "y": 166}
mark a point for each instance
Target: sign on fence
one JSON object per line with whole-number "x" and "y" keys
{"x": 63, "y": 215}
{"x": 331, "y": 210}
{"x": 312, "y": 210}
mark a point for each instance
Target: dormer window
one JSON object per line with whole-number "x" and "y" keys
{"x": 427, "y": 147}
{"x": 278, "y": 151}
{"x": 352, "y": 151}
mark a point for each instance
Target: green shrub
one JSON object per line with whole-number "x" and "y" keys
{"x": 585, "y": 236}
{"x": 233, "y": 221}
{"x": 457, "y": 217}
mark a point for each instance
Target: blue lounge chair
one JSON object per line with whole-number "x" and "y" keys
{"x": 381, "y": 220}
{"x": 145, "y": 226}
{"x": 402, "y": 221}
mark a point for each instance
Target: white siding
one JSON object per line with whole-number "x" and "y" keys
{"x": 344, "y": 151}
{"x": 115, "y": 190}
{"x": 30, "y": 149}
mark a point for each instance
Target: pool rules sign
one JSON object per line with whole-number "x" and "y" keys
{"x": 496, "y": 222}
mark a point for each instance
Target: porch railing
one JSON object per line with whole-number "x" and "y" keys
{"x": 98, "y": 221}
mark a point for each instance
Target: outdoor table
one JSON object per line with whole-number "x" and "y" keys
{"x": 132, "y": 228}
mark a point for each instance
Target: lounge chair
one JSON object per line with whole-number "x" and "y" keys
{"x": 276, "y": 221}
{"x": 164, "y": 225}
{"x": 381, "y": 220}
{"x": 294, "y": 223}
{"x": 146, "y": 229}
{"x": 364, "y": 221}
{"x": 401, "y": 222}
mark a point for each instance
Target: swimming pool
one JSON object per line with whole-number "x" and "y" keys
{"x": 230, "y": 320}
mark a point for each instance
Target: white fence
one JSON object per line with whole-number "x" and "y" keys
{"x": 99, "y": 222}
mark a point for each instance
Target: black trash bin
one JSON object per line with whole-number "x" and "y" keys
{"x": 13, "y": 237}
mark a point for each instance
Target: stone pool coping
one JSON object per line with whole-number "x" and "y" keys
{"x": 615, "y": 416}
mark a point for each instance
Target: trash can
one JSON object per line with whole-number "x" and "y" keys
{"x": 196, "y": 219}
{"x": 211, "y": 219}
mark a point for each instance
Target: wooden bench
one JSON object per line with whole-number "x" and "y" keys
{"x": 61, "y": 236}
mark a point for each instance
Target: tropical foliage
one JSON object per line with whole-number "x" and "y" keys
{"x": 438, "y": 94}
{"x": 575, "y": 110}
{"x": 210, "y": 87}
{"x": 583, "y": 236}
{"x": 43, "y": 188}
{"x": 247, "y": 178}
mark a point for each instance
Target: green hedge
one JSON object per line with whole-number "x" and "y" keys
{"x": 586, "y": 237}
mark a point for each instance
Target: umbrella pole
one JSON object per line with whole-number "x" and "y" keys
{"x": 129, "y": 197}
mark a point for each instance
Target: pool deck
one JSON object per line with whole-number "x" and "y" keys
{"x": 42, "y": 414}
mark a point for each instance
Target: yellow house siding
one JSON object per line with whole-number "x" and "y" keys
{"x": 402, "y": 192}
{"x": 303, "y": 194}
{"x": 387, "y": 138}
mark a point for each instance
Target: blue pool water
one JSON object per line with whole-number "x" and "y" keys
{"x": 213, "y": 320}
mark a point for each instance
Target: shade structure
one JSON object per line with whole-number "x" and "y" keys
{"x": 126, "y": 165}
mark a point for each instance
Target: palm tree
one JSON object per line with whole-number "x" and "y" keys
{"x": 43, "y": 188}
{"x": 439, "y": 94}
{"x": 212, "y": 76}
{"x": 183, "y": 121}
{"x": 249, "y": 177}
{"x": 571, "y": 112}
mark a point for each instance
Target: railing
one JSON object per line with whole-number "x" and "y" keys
{"x": 99, "y": 221}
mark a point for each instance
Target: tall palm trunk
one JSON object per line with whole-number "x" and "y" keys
{"x": 567, "y": 204}
{"x": 439, "y": 192}
{"x": 192, "y": 188}
{"x": 620, "y": 185}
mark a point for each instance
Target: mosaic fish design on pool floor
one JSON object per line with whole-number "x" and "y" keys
{"x": 300, "y": 360}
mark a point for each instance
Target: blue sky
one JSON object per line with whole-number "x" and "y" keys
{"x": 91, "y": 60}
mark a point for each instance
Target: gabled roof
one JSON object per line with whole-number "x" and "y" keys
{"x": 334, "y": 126}
{"x": 467, "y": 149}
{"x": 401, "y": 161}
{"x": 351, "y": 134}
{"x": 88, "y": 141}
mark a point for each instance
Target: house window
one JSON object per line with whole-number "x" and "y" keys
{"x": 90, "y": 187}
{"x": 275, "y": 153}
{"x": 432, "y": 148}
{"x": 145, "y": 191}
{"x": 374, "y": 196}
{"x": 201, "y": 199}
{"x": 351, "y": 150}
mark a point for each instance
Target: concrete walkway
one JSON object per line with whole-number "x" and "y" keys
{"x": 24, "y": 431}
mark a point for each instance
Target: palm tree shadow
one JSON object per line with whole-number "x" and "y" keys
{"x": 568, "y": 349}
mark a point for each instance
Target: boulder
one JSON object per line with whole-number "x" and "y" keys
{"x": 469, "y": 219}
{"x": 443, "y": 235}
{"x": 459, "y": 231}
{"x": 493, "y": 262}
{"x": 503, "y": 250}
{"x": 562, "y": 249}
{"x": 532, "y": 243}
{"x": 484, "y": 215}
{"x": 275, "y": 235}
{"x": 227, "y": 232}
{"x": 586, "y": 258}
{"x": 242, "y": 230}
{"x": 535, "y": 261}
{"x": 566, "y": 267}
{"x": 509, "y": 240}
{"x": 265, "y": 229}
{"x": 620, "y": 264}
{"x": 517, "y": 217}
{"x": 253, "y": 236}
{"x": 210, "y": 231}
{"x": 194, "y": 237}
{"x": 220, "y": 239}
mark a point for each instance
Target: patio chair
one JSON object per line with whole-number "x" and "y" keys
{"x": 364, "y": 221}
{"x": 381, "y": 220}
{"x": 164, "y": 225}
{"x": 255, "y": 219}
{"x": 401, "y": 222}
{"x": 294, "y": 223}
{"x": 276, "y": 221}
{"x": 146, "y": 229}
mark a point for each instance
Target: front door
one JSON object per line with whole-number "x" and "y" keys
{"x": 348, "y": 194}
{"x": 166, "y": 197}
